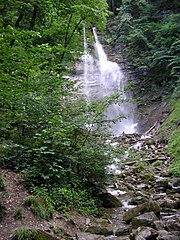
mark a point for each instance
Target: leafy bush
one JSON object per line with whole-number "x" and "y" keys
{"x": 69, "y": 198}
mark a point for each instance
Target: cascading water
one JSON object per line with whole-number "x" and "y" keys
{"x": 103, "y": 78}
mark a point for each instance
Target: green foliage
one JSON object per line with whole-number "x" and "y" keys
{"x": 39, "y": 206}
{"x": 23, "y": 234}
{"x": 2, "y": 209}
{"x": 170, "y": 131}
{"x": 2, "y": 185}
{"x": 19, "y": 214}
{"x": 44, "y": 122}
{"x": 73, "y": 198}
{"x": 149, "y": 36}
{"x": 174, "y": 150}
{"x": 170, "y": 126}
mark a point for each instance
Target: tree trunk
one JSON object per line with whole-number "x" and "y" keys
{"x": 33, "y": 19}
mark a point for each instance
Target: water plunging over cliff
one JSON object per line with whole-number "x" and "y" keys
{"x": 103, "y": 78}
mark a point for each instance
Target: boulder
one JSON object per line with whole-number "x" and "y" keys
{"x": 165, "y": 235}
{"x": 143, "y": 233}
{"x": 88, "y": 236}
{"x": 100, "y": 230}
{"x": 145, "y": 219}
{"x": 150, "y": 206}
{"x": 109, "y": 201}
{"x": 122, "y": 230}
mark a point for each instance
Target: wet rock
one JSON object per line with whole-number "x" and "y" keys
{"x": 143, "y": 233}
{"x": 165, "y": 235}
{"x": 172, "y": 225}
{"x": 120, "y": 238}
{"x": 100, "y": 230}
{"x": 88, "y": 236}
{"x": 137, "y": 200}
{"x": 122, "y": 230}
{"x": 159, "y": 225}
{"x": 175, "y": 183}
{"x": 140, "y": 209}
{"x": 109, "y": 201}
{"x": 145, "y": 219}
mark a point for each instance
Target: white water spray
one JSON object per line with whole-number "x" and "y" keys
{"x": 103, "y": 78}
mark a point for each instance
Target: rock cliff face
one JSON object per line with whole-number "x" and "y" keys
{"x": 151, "y": 109}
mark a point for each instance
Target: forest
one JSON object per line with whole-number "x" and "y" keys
{"x": 43, "y": 131}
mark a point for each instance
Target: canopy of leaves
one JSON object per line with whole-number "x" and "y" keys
{"x": 47, "y": 130}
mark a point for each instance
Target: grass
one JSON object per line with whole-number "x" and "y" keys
{"x": 39, "y": 207}
{"x": 19, "y": 214}
{"x": 170, "y": 131}
{"x": 23, "y": 233}
{"x": 2, "y": 185}
{"x": 167, "y": 129}
{"x": 174, "y": 150}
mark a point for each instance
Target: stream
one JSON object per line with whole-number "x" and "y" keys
{"x": 148, "y": 196}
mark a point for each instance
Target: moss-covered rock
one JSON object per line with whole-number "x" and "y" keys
{"x": 145, "y": 219}
{"x": 105, "y": 231}
{"x": 40, "y": 235}
{"x": 109, "y": 201}
{"x": 142, "y": 208}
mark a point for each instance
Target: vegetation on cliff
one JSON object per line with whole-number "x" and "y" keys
{"x": 148, "y": 34}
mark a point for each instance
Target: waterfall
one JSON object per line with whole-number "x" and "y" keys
{"x": 103, "y": 78}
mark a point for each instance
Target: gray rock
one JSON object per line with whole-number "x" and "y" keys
{"x": 140, "y": 209}
{"x": 44, "y": 235}
{"x": 122, "y": 230}
{"x": 110, "y": 201}
{"x": 145, "y": 219}
{"x": 88, "y": 236}
{"x": 159, "y": 225}
{"x": 165, "y": 235}
{"x": 100, "y": 230}
{"x": 143, "y": 233}
{"x": 172, "y": 225}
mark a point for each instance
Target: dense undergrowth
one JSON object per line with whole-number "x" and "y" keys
{"x": 48, "y": 131}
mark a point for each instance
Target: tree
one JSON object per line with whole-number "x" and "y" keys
{"x": 43, "y": 121}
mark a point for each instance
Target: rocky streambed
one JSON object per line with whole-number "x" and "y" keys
{"x": 144, "y": 201}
